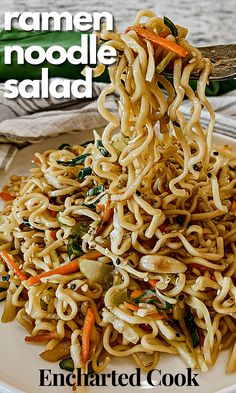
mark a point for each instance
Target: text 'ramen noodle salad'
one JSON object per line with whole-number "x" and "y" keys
{"x": 126, "y": 245}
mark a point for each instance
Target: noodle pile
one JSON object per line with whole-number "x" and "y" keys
{"x": 155, "y": 201}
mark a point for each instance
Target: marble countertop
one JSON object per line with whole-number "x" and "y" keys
{"x": 208, "y": 21}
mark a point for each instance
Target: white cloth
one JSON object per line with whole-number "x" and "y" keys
{"x": 24, "y": 121}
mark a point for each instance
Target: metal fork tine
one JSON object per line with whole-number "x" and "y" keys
{"x": 223, "y": 58}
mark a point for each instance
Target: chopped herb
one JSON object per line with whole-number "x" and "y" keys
{"x": 64, "y": 146}
{"x": 96, "y": 190}
{"x": 101, "y": 148}
{"x": 6, "y": 278}
{"x": 73, "y": 286}
{"x": 75, "y": 161}
{"x": 192, "y": 327}
{"x": 67, "y": 364}
{"x": 171, "y": 26}
{"x": 84, "y": 172}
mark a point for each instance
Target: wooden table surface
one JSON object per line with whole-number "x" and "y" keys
{"x": 208, "y": 21}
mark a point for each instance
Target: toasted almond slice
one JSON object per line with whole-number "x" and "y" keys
{"x": 161, "y": 264}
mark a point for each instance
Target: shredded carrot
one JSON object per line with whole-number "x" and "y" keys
{"x": 233, "y": 206}
{"x": 131, "y": 306}
{"x": 108, "y": 211}
{"x": 87, "y": 329}
{"x": 53, "y": 235}
{"x": 8, "y": 259}
{"x": 41, "y": 337}
{"x": 136, "y": 293}
{"x": 162, "y": 42}
{"x": 100, "y": 207}
{"x": 152, "y": 283}
{"x": 6, "y": 196}
{"x": 68, "y": 268}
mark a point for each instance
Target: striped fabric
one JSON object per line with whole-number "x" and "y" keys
{"x": 25, "y": 121}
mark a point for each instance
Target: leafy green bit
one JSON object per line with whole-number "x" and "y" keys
{"x": 75, "y": 161}
{"x": 101, "y": 148}
{"x": 96, "y": 190}
{"x": 64, "y": 146}
{"x": 171, "y": 26}
{"x": 192, "y": 327}
{"x": 84, "y": 172}
{"x": 150, "y": 296}
{"x": 74, "y": 246}
{"x": 67, "y": 364}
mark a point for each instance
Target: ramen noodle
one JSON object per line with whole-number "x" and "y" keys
{"x": 125, "y": 246}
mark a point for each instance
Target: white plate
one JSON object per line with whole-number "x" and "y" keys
{"x": 20, "y": 363}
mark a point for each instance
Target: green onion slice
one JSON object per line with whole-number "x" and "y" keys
{"x": 64, "y": 146}
{"x": 75, "y": 161}
{"x": 67, "y": 364}
{"x": 96, "y": 190}
{"x": 84, "y": 172}
{"x": 171, "y": 26}
{"x": 101, "y": 148}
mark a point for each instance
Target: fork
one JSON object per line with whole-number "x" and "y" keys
{"x": 223, "y": 58}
